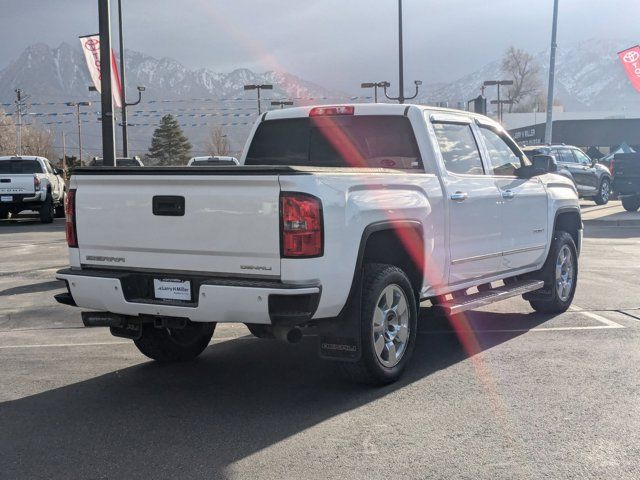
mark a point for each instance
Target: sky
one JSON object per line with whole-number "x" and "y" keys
{"x": 335, "y": 43}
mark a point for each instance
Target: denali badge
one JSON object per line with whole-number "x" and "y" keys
{"x": 255, "y": 267}
{"x": 96, "y": 258}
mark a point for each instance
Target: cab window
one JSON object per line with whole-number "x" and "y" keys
{"x": 459, "y": 149}
{"x": 502, "y": 158}
{"x": 582, "y": 158}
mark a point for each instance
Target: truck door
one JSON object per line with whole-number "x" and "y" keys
{"x": 473, "y": 201}
{"x": 523, "y": 203}
{"x": 588, "y": 172}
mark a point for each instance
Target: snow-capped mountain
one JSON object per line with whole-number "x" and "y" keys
{"x": 588, "y": 78}
{"x": 50, "y": 73}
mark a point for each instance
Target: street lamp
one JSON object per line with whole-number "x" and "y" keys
{"x": 498, "y": 83}
{"x": 281, "y": 103}
{"x": 78, "y": 105}
{"x": 258, "y": 88}
{"x": 402, "y": 98}
{"x": 375, "y": 86}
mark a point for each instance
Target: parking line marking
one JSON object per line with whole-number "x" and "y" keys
{"x": 595, "y": 316}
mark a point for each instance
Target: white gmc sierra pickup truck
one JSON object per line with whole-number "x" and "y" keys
{"x": 31, "y": 183}
{"x": 339, "y": 221}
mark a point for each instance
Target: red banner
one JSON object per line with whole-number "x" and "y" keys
{"x": 630, "y": 59}
{"x": 91, "y": 49}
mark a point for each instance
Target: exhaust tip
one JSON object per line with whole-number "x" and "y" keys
{"x": 294, "y": 335}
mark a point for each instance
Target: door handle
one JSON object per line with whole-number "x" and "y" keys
{"x": 508, "y": 194}
{"x": 458, "y": 196}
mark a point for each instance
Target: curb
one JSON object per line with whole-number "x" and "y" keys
{"x": 612, "y": 223}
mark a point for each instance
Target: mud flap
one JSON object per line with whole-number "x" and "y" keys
{"x": 339, "y": 338}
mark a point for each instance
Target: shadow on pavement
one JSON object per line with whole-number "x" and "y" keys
{"x": 602, "y": 231}
{"x": 33, "y": 288}
{"x": 194, "y": 420}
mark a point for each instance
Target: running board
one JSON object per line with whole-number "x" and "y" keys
{"x": 481, "y": 299}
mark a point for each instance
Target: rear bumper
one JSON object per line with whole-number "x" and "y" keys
{"x": 214, "y": 299}
{"x": 23, "y": 201}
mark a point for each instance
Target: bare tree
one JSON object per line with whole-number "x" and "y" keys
{"x": 7, "y": 135}
{"x": 522, "y": 68}
{"x": 217, "y": 142}
{"x": 36, "y": 140}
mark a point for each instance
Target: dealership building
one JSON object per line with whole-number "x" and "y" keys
{"x": 604, "y": 131}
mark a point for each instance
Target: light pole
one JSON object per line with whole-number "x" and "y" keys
{"x": 125, "y": 137}
{"x": 281, "y": 103}
{"x": 375, "y": 86}
{"x": 552, "y": 71}
{"x": 78, "y": 105}
{"x": 401, "y": 98}
{"x": 498, "y": 83}
{"x": 106, "y": 101}
{"x": 258, "y": 88}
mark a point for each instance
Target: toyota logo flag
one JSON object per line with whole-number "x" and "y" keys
{"x": 91, "y": 48}
{"x": 630, "y": 59}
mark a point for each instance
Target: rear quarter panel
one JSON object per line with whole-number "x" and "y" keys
{"x": 352, "y": 202}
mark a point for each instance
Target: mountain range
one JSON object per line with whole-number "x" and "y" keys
{"x": 588, "y": 78}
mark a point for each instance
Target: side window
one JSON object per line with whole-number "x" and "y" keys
{"x": 503, "y": 159}
{"x": 459, "y": 149}
{"x": 582, "y": 157}
{"x": 564, "y": 155}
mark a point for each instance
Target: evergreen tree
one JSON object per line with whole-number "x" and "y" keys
{"x": 169, "y": 145}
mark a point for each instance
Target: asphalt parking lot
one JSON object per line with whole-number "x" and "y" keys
{"x": 513, "y": 394}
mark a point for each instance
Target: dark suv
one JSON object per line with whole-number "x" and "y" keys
{"x": 592, "y": 180}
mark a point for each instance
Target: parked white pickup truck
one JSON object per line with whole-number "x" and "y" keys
{"x": 31, "y": 183}
{"x": 339, "y": 221}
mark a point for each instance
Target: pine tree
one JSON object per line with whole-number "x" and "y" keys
{"x": 169, "y": 145}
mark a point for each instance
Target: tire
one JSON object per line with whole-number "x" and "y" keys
{"x": 168, "y": 345}
{"x": 560, "y": 275}
{"x": 604, "y": 193}
{"x": 47, "y": 210}
{"x": 631, "y": 203}
{"x": 60, "y": 207}
{"x": 260, "y": 331}
{"x": 382, "y": 329}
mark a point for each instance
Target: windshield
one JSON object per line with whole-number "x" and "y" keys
{"x": 349, "y": 141}
{"x": 20, "y": 167}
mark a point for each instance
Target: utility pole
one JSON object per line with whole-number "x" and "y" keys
{"x": 258, "y": 88}
{"x": 108, "y": 132}
{"x": 78, "y": 105}
{"x": 20, "y": 108}
{"x": 552, "y": 67}
{"x": 401, "y": 98}
{"x": 64, "y": 153}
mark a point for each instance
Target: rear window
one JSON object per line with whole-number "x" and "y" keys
{"x": 20, "y": 167}
{"x": 336, "y": 141}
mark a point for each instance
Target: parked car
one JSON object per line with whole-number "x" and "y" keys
{"x": 120, "y": 162}
{"x": 340, "y": 219}
{"x": 626, "y": 179}
{"x": 31, "y": 183}
{"x": 212, "y": 160}
{"x": 592, "y": 179}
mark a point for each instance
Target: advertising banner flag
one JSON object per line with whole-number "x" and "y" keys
{"x": 91, "y": 48}
{"x": 630, "y": 59}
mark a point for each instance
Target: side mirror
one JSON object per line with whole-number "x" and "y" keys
{"x": 546, "y": 163}
{"x": 57, "y": 171}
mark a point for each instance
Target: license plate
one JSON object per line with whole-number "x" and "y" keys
{"x": 172, "y": 289}
{"x": 6, "y": 198}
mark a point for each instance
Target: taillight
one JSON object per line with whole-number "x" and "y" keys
{"x": 70, "y": 214}
{"x": 611, "y": 165}
{"x": 301, "y": 225}
{"x": 36, "y": 184}
{"x": 331, "y": 111}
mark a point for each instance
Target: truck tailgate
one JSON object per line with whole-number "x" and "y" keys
{"x": 16, "y": 184}
{"x": 229, "y": 224}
